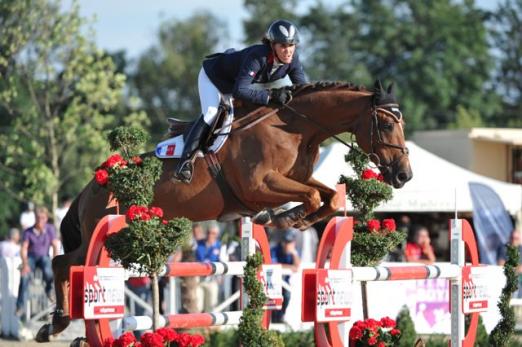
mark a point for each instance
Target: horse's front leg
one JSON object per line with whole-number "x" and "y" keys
{"x": 331, "y": 202}
{"x": 276, "y": 188}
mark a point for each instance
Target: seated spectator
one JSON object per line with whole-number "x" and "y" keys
{"x": 208, "y": 250}
{"x": 10, "y": 248}
{"x": 419, "y": 249}
{"x": 515, "y": 240}
{"x": 285, "y": 253}
{"x": 36, "y": 243}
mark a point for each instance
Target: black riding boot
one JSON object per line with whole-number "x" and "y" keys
{"x": 197, "y": 133}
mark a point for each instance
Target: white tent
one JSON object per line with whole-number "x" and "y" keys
{"x": 437, "y": 185}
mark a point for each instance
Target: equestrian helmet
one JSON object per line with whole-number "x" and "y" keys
{"x": 282, "y": 31}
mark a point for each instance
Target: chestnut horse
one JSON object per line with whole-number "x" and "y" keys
{"x": 265, "y": 165}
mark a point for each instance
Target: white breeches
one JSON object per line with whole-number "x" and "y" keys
{"x": 209, "y": 97}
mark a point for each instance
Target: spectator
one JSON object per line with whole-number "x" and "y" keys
{"x": 61, "y": 211}
{"x": 36, "y": 242}
{"x": 27, "y": 219}
{"x": 208, "y": 250}
{"x": 198, "y": 232}
{"x": 285, "y": 253}
{"x": 515, "y": 240}
{"x": 419, "y": 248}
{"x": 10, "y": 248}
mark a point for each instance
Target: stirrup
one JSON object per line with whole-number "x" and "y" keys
{"x": 184, "y": 172}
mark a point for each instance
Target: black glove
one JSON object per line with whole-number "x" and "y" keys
{"x": 280, "y": 96}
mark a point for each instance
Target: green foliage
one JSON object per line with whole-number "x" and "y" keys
{"x": 223, "y": 338}
{"x": 369, "y": 248}
{"x": 366, "y": 191}
{"x": 407, "y": 328}
{"x": 57, "y": 94}
{"x": 436, "y": 51}
{"x": 298, "y": 338}
{"x": 250, "y": 331}
{"x": 466, "y": 119}
{"x": 507, "y": 38}
{"x": 365, "y": 195}
{"x": 503, "y": 331}
{"x": 130, "y": 140}
{"x": 482, "y": 336}
{"x": 146, "y": 245}
{"x": 262, "y": 13}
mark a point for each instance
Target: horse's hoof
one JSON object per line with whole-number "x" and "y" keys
{"x": 44, "y": 333}
{"x": 262, "y": 218}
{"x": 79, "y": 342}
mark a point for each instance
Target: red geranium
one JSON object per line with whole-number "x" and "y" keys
{"x": 395, "y": 332}
{"x": 374, "y": 225}
{"x": 167, "y": 334}
{"x": 380, "y": 177}
{"x": 138, "y": 212}
{"x": 152, "y": 340}
{"x": 115, "y": 160}
{"x": 156, "y": 211}
{"x": 389, "y": 224}
{"x": 374, "y": 333}
{"x": 137, "y": 160}
{"x": 387, "y": 322}
{"x": 368, "y": 174}
{"x": 125, "y": 340}
{"x": 102, "y": 177}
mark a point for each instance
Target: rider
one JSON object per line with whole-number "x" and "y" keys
{"x": 235, "y": 72}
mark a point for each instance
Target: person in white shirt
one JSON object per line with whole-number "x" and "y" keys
{"x": 10, "y": 248}
{"x": 27, "y": 218}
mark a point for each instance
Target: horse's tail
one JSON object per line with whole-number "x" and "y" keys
{"x": 70, "y": 228}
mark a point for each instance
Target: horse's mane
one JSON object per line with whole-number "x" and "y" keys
{"x": 327, "y": 85}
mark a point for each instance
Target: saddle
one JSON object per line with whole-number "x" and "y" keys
{"x": 173, "y": 146}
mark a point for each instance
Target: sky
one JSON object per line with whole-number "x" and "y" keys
{"x": 132, "y": 24}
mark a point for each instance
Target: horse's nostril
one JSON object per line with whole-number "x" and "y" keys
{"x": 402, "y": 176}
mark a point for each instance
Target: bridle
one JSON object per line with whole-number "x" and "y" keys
{"x": 393, "y": 111}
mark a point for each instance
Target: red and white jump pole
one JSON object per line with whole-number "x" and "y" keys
{"x": 335, "y": 249}
{"x": 98, "y": 330}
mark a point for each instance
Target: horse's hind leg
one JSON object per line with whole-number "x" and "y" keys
{"x": 61, "y": 319}
{"x": 278, "y": 188}
{"x": 330, "y": 200}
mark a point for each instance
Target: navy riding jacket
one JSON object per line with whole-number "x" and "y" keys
{"x": 235, "y": 72}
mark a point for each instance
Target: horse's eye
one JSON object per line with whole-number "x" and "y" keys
{"x": 387, "y": 127}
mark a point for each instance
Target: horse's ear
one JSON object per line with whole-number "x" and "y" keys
{"x": 390, "y": 88}
{"x": 378, "y": 87}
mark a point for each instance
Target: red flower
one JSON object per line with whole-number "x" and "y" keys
{"x": 380, "y": 177}
{"x": 156, "y": 211}
{"x": 109, "y": 342}
{"x": 126, "y": 339}
{"x": 368, "y": 174}
{"x": 387, "y": 322}
{"x": 197, "y": 340}
{"x": 114, "y": 160}
{"x": 102, "y": 177}
{"x": 152, "y": 340}
{"x": 138, "y": 212}
{"x": 372, "y": 341}
{"x": 168, "y": 334}
{"x": 374, "y": 225}
{"x": 355, "y": 333}
{"x": 165, "y": 221}
{"x": 137, "y": 160}
{"x": 381, "y": 344}
{"x": 389, "y": 224}
{"x": 373, "y": 325}
{"x": 395, "y": 332}
{"x": 184, "y": 340}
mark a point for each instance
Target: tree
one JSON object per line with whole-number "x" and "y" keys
{"x": 167, "y": 73}
{"x": 436, "y": 51}
{"x": 507, "y": 38}
{"x": 57, "y": 91}
{"x": 262, "y": 13}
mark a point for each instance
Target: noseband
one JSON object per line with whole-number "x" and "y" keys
{"x": 391, "y": 110}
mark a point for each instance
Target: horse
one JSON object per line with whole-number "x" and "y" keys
{"x": 264, "y": 164}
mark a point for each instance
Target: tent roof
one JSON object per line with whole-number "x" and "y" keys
{"x": 502, "y": 135}
{"x": 437, "y": 185}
